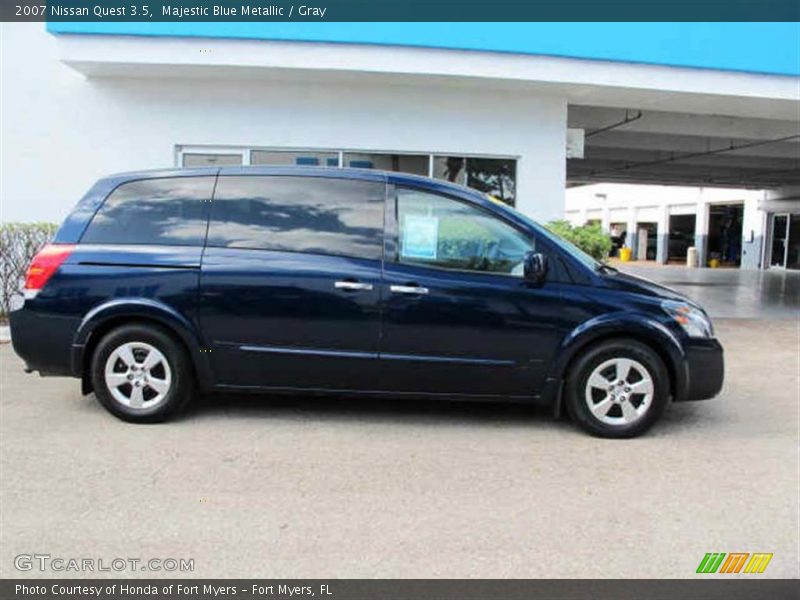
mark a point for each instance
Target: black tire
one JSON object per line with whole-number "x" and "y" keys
{"x": 592, "y": 359}
{"x": 179, "y": 388}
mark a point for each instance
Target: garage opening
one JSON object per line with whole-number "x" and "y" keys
{"x": 718, "y": 159}
{"x": 619, "y": 236}
{"x": 725, "y": 235}
{"x": 646, "y": 240}
{"x": 681, "y": 237}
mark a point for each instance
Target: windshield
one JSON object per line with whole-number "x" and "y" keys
{"x": 566, "y": 246}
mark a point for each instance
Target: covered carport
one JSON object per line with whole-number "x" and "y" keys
{"x": 650, "y": 146}
{"x": 756, "y": 149}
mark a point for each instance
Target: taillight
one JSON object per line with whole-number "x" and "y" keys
{"x": 43, "y": 265}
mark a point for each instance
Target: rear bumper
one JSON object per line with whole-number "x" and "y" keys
{"x": 43, "y": 341}
{"x": 706, "y": 369}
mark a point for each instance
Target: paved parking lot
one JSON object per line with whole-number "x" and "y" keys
{"x": 282, "y": 487}
{"x": 272, "y": 487}
{"x": 731, "y": 293}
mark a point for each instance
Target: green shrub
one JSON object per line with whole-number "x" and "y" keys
{"x": 589, "y": 238}
{"x": 19, "y": 242}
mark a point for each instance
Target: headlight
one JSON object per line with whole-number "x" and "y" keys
{"x": 694, "y": 321}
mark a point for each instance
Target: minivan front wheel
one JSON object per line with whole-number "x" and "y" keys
{"x": 141, "y": 374}
{"x": 617, "y": 389}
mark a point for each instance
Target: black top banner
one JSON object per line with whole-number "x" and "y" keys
{"x": 401, "y": 10}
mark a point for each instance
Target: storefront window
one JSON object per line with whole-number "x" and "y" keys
{"x": 192, "y": 159}
{"x": 785, "y": 244}
{"x": 494, "y": 176}
{"x": 416, "y": 164}
{"x": 450, "y": 168}
{"x": 300, "y": 157}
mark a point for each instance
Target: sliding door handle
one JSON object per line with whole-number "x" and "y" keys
{"x": 352, "y": 286}
{"x": 408, "y": 289}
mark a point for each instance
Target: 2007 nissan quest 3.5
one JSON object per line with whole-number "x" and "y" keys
{"x": 163, "y": 283}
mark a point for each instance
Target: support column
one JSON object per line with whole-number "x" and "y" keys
{"x": 701, "y": 232}
{"x": 632, "y": 239}
{"x": 662, "y": 236}
{"x": 753, "y": 229}
{"x": 605, "y": 220}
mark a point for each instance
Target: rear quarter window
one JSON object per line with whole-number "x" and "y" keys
{"x": 298, "y": 214}
{"x": 168, "y": 211}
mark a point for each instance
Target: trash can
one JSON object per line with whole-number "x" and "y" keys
{"x": 625, "y": 254}
{"x": 691, "y": 256}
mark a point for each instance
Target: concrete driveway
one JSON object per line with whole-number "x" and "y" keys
{"x": 730, "y": 293}
{"x": 268, "y": 487}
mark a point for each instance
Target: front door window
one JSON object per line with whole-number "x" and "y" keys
{"x": 437, "y": 231}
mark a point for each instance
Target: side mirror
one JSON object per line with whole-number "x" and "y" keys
{"x": 535, "y": 267}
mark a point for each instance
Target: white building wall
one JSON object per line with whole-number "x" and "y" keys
{"x": 623, "y": 196}
{"x": 62, "y": 131}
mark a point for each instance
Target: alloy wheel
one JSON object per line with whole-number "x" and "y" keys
{"x": 138, "y": 375}
{"x": 619, "y": 391}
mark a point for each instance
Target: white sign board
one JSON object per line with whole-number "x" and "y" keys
{"x": 420, "y": 236}
{"x": 575, "y": 143}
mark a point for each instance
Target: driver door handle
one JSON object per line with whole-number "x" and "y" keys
{"x": 408, "y": 289}
{"x": 352, "y": 285}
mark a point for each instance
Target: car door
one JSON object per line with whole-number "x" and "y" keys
{"x": 459, "y": 318}
{"x": 290, "y": 281}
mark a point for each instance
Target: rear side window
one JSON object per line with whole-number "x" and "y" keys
{"x": 169, "y": 211}
{"x": 298, "y": 214}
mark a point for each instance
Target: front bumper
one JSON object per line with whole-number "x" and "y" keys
{"x": 706, "y": 369}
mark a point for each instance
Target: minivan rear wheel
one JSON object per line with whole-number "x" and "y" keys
{"x": 617, "y": 389}
{"x": 141, "y": 374}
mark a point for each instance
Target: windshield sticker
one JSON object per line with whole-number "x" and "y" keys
{"x": 420, "y": 236}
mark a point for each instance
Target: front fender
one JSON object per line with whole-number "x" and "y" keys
{"x": 627, "y": 324}
{"x": 141, "y": 309}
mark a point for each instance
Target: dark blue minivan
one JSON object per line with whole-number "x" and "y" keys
{"x": 162, "y": 284}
